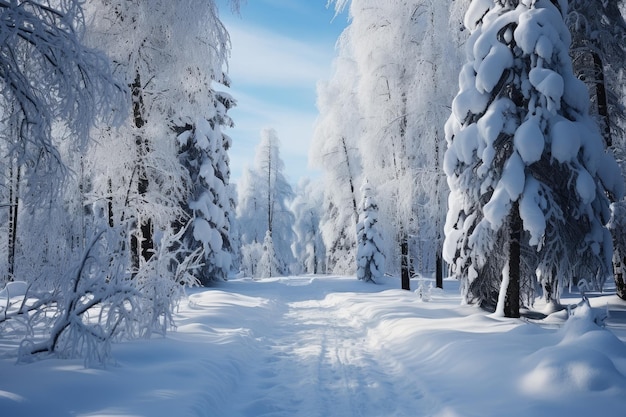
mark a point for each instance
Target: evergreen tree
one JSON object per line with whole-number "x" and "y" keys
{"x": 203, "y": 153}
{"x": 269, "y": 265}
{"x": 598, "y": 51}
{"x": 264, "y": 195}
{"x": 370, "y": 257}
{"x": 526, "y": 165}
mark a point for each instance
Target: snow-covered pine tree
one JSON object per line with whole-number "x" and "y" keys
{"x": 369, "y": 254}
{"x": 269, "y": 265}
{"x": 203, "y": 152}
{"x": 598, "y": 51}
{"x": 264, "y": 195}
{"x": 526, "y": 165}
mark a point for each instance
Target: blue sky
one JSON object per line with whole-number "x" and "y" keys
{"x": 280, "y": 50}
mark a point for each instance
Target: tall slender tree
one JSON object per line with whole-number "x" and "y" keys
{"x": 263, "y": 202}
{"x": 335, "y": 151}
{"x": 399, "y": 59}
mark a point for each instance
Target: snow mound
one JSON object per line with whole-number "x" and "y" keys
{"x": 14, "y": 289}
{"x": 581, "y": 362}
{"x": 569, "y": 371}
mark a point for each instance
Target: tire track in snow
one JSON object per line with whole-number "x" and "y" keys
{"x": 316, "y": 364}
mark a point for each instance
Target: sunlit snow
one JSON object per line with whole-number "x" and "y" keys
{"x": 332, "y": 346}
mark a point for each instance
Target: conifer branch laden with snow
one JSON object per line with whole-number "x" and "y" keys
{"x": 203, "y": 152}
{"x": 520, "y": 135}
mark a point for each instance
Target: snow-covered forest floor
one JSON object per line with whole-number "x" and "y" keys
{"x": 334, "y": 346}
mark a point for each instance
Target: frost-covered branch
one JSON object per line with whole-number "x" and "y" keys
{"x": 48, "y": 75}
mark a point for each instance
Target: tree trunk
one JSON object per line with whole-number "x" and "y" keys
{"x": 355, "y": 210}
{"x": 269, "y": 189}
{"x": 404, "y": 263}
{"x": 110, "y": 202}
{"x": 439, "y": 269}
{"x": 618, "y": 272}
{"x": 142, "y": 244}
{"x": 603, "y": 111}
{"x": 511, "y": 303}
{"x": 603, "y": 107}
{"x": 14, "y": 188}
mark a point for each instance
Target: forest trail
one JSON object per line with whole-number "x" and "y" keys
{"x": 316, "y": 362}
{"x": 336, "y": 347}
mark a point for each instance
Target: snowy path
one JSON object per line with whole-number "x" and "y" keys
{"x": 335, "y": 347}
{"x": 315, "y": 363}
{"x": 377, "y": 352}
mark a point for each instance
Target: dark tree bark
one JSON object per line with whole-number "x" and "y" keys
{"x": 404, "y": 263}
{"x": 601, "y": 97}
{"x": 603, "y": 111}
{"x": 439, "y": 269}
{"x": 355, "y": 210}
{"x": 14, "y": 188}
{"x": 511, "y": 303}
{"x": 620, "y": 283}
{"x": 110, "y": 202}
{"x": 141, "y": 243}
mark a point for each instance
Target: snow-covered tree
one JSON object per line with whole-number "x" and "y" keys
{"x": 264, "y": 195}
{"x": 169, "y": 54}
{"x": 48, "y": 75}
{"x": 335, "y": 151}
{"x": 269, "y": 265}
{"x": 49, "y": 82}
{"x": 250, "y": 222}
{"x": 308, "y": 248}
{"x": 75, "y": 250}
{"x": 400, "y": 61}
{"x": 369, "y": 255}
{"x": 598, "y": 51}
{"x": 203, "y": 152}
{"x": 526, "y": 165}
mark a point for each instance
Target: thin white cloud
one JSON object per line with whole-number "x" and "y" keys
{"x": 261, "y": 57}
{"x": 262, "y": 60}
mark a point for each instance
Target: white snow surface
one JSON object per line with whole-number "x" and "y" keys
{"x": 334, "y": 346}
